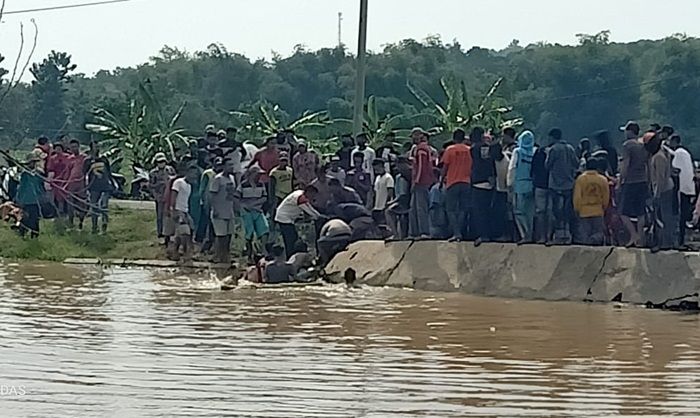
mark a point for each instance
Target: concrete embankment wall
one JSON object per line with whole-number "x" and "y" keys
{"x": 531, "y": 272}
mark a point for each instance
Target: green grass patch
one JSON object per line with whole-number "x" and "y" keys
{"x": 131, "y": 235}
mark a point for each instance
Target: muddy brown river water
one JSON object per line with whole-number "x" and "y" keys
{"x": 132, "y": 343}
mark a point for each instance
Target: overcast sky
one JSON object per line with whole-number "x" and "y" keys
{"x": 125, "y": 34}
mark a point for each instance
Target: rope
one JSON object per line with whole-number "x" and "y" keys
{"x": 53, "y": 183}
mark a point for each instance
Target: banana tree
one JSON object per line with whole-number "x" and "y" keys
{"x": 144, "y": 132}
{"x": 491, "y": 111}
{"x": 264, "y": 120}
{"x": 376, "y": 127}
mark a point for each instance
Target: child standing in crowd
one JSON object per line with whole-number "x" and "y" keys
{"x": 181, "y": 191}
{"x": 383, "y": 191}
{"x": 591, "y": 199}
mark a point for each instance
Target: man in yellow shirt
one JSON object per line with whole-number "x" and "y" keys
{"x": 591, "y": 199}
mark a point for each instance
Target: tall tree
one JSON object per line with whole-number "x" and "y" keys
{"x": 51, "y": 77}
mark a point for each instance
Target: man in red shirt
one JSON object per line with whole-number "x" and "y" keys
{"x": 456, "y": 173}
{"x": 58, "y": 171}
{"x": 267, "y": 159}
{"x": 423, "y": 179}
{"x": 76, "y": 187}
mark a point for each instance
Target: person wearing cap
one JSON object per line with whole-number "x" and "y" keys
{"x": 683, "y": 162}
{"x": 367, "y": 152}
{"x": 30, "y": 193}
{"x": 304, "y": 164}
{"x": 336, "y": 171}
{"x": 562, "y": 164}
{"x": 222, "y": 196}
{"x": 252, "y": 198}
{"x": 634, "y": 181}
{"x": 157, "y": 180}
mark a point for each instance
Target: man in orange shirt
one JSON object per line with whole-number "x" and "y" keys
{"x": 456, "y": 173}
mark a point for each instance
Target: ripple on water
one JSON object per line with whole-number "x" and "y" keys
{"x": 136, "y": 343}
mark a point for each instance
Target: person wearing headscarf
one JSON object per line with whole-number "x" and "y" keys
{"x": 520, "y": 179}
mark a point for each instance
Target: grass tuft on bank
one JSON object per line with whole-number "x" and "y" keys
{"x": 131, "y": 235}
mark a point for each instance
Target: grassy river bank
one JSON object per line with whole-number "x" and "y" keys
{"x": 131, "y": 235}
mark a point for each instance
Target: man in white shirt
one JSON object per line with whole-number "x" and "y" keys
{"x": 368, "y": 153}
{"x": 683, "y": 161}
{"x": 290, "y": 210}
{"x": 180, "y": 207}
{"x": 383, "y": 191}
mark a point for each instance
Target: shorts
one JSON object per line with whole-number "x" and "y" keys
{"x": 254, "y": 224}
{"x": 223, "y": 227}
{"x": 183, "y": 224}
{"x": 634, "y": 199}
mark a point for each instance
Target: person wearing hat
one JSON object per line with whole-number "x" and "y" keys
{"x": 305, "y": 165}
{"x": 30, "y": 193}
{"x": 634, "y": 180}
{"x": 158, "y": 179}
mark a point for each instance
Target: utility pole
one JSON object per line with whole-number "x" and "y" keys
{"x": 340, "y": 29}
{"x": 360, "y": 72}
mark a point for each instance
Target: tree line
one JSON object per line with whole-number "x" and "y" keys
{"x": 594, "y": 85}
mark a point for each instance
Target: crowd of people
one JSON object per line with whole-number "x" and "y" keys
{"x": 480, "y": 186}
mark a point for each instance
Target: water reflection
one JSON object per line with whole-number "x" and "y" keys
{"x": 137, "y": 343}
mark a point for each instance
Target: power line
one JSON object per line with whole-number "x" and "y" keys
{"x": 67, "y": 6}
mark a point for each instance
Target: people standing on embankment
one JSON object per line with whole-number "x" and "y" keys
{"x": 489, "y": 186}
